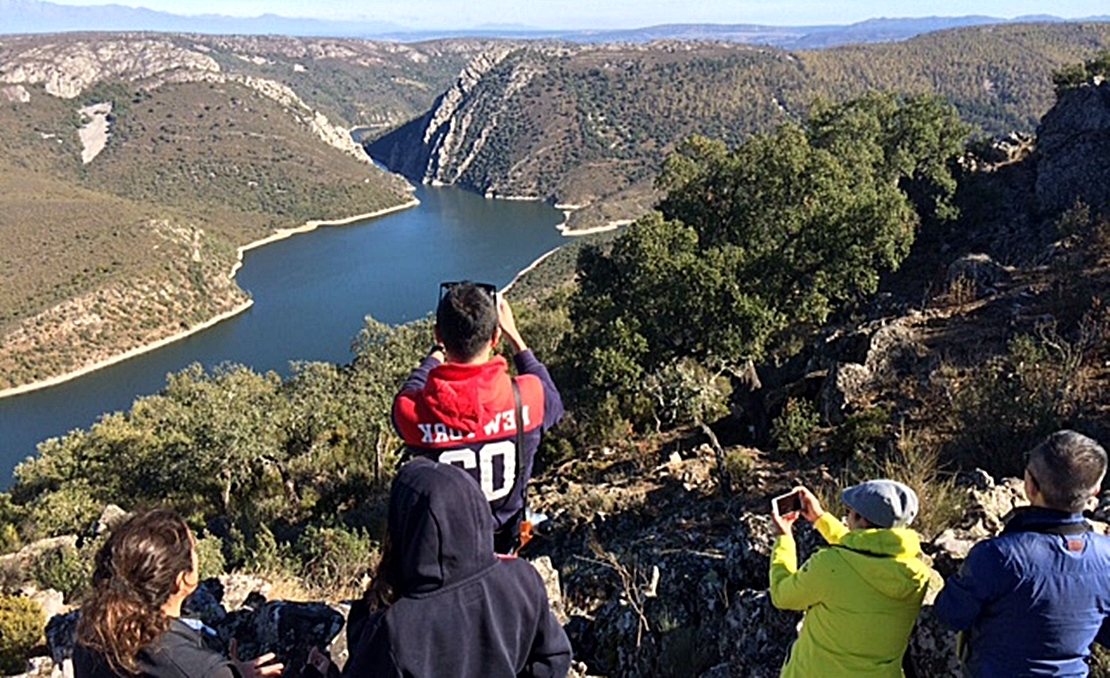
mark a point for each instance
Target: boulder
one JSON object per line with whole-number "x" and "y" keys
{"x": 756, "y": 638}
{"x": 550, "y": 578}
{"x": 61, "y": 636}
{"x": 52, "y": 602}
{"x": 288, "y": 629}
{"x": 894, "y": 352}
{"x": 111, "y": 516}
{"x": 1073, "y": 151}
{"x": 933, "y": 647}
{"x": 844, "y": 389}
{"x": 18, "y": 565}
{"x": 987, "y": 505}
{"x": 984, "y": 273}
{"x": 42, "y": 667}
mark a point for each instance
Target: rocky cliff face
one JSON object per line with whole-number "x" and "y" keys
{"x": 1073, "y": 151}
{"x": 67, "y": 68}
{"x": 441, "y": 147}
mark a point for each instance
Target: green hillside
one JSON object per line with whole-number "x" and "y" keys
{"x": 213, "y": 143}
{"x": 591, "y": 124}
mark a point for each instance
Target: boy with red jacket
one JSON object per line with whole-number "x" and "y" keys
{"x": 461, "y": 407}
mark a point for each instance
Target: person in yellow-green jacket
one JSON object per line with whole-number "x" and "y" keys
{"x": 861, "y": 596}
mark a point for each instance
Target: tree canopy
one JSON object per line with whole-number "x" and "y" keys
{"x": 781, "y": 231}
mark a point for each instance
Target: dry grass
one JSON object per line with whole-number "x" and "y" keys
{"x": 917, "y": 463}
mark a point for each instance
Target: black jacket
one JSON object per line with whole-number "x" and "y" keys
{"x": 180, "y": 653}
{"x": 461, "y": 611}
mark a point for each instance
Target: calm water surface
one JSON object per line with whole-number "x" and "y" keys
{"x": 311, "y": 293}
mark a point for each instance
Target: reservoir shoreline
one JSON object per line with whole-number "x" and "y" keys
{"x": 281, "y": 234}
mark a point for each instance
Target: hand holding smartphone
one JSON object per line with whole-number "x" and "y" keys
{"x": 786, "y": 503}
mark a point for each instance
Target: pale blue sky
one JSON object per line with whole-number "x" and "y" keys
{"x": 607, "y": 14}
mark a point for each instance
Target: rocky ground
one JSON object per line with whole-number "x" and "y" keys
{"x": 656, "y": 573}
{"x": 668, "y": 577}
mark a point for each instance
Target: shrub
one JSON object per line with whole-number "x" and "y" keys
{"x": 262, "y": 554}
{"x": 69, "y": 510}
{"x": 63, "y": 569}
{"x": 739, "y": 463}
{"x": 334, "y": 558}
{"x": 21, "y": 625}
{"x": 10, "y": 517}
{"x": 918, "y": 465}
{"x": 863, "y": 435}
{"x": 1015, "y": 400}
{"x": 210, "y": 557}
{"x": 792, "y": 431}
{"x": 1100, "y": 662}
{"x": 9, "y": 539}
{"x": 685, "y": 392}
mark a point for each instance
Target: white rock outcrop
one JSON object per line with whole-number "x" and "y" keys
{"x": 94, "y": 133}
{"x": 66, "y": 70}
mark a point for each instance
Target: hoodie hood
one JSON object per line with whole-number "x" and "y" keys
{"x": 440, "y": 527}
{"x": 886, "y": 559}
{"x": 465, "y": 396}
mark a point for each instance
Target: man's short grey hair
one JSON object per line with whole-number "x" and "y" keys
{"x": 1068, "y": 468}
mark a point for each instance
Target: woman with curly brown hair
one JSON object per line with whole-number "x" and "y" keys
{"x": 131, "y": 625}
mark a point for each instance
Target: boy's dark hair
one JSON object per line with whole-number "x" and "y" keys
{"x": 466, "y": 319}
{"x": 1068, "y": 469}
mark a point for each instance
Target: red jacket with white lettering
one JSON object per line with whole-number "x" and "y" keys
{"x": 465, "y": 415}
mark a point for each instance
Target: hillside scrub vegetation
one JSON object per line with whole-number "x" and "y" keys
{"x": 138, "y": 244}
{"x": 749, "y": 245}
{"x": 590, "y": 125}
{"x": 811, "y": 303}
{"x": 754, "y": 244}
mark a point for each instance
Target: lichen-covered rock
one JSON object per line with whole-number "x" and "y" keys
{"x": 1073, "y": 151}
{"x": 550, "y": 578}
{"x": 892, "y": 351}
{"x": 52, "y": 602}
{"x": 844, "y": 388}
{"x": 61, "y": 636}
{"x": 757, "y": 637}
{"x": 984, "y": 273}
{"x": 110, "y": 517}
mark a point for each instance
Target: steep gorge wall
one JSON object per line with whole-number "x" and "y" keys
{"x": 441, "y": 146}
{"x": 69, "y": 68}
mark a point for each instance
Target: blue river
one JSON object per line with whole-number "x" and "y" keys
{"x": 311, "y": 293}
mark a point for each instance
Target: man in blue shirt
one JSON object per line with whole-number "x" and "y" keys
{"x": 1033, "y": 599}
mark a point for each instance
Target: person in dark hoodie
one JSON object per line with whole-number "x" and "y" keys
{"x": 131, "y": 622}
{"x": 452, "y": 607}
{"x": 461, "y": 407}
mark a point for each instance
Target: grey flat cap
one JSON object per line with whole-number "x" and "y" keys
{"x": 885, "y": 503}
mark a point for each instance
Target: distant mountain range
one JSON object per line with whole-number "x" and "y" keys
{"x": 32, "y": 16}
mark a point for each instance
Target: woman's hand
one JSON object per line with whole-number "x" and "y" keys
{"x": 262, "y": 667}
{"x": 811, "y": 506}
{"x": 785, "y": 524}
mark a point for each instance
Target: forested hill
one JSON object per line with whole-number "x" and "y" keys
{"x": 205, "y": 144}
{"x": 591, "y": 124}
